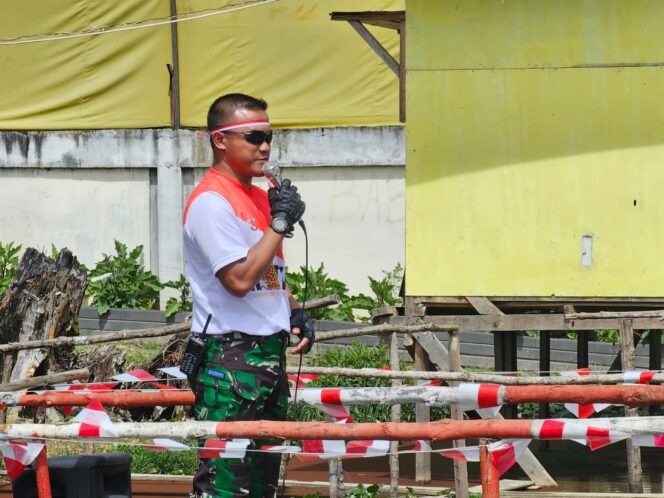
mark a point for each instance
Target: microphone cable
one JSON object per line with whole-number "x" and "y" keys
{"x": 299, "y": 367}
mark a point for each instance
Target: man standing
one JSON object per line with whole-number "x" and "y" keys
{"x": 233, "y": 234}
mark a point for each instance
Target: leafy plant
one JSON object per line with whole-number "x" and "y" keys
{"x": 8, "y": 264}
{"x": 183, "y": 302}
{"x": 360, "y": 491}
{"x": 320, "y": 284}
{"x": 146, "y": 461}
{"x": 121, "y": 281}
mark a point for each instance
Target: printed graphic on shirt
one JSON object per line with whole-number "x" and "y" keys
{"x": 274, "y": 279}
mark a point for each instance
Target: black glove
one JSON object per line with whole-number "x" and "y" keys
{"x": 300, "y": 319}
{"x": 286, "y": 207}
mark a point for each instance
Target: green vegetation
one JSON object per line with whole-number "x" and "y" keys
{"x": 183, "y": 301}
{"x": 320, "y": 284}
{"x": 121, "y": 281}
{"x": 147, "y": 461}
{"x": 8, "y": 262}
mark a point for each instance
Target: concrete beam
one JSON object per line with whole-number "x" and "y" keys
{"x": 164, "y": 147}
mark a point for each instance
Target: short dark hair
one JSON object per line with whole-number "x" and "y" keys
{"x": 223, "y": 109}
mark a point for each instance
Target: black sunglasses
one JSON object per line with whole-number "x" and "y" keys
{"x": 255, "y": 137}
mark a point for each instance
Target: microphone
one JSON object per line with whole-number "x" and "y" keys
{"x": 272, "y": 173}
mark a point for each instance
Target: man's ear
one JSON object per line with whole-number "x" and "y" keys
{"x": 219, "y": 141}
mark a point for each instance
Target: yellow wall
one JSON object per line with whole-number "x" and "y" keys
{"x": 531, "y": 124}
{"x": 313, "y": 71}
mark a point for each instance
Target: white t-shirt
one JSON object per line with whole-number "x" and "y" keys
{"x": 222, "y": 222}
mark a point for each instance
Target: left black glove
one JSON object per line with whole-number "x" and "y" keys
{"x": 300, "y": 319}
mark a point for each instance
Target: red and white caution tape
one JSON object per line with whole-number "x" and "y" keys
{"x": 582, "y": 411}
{"x": 222, "y": 448}
{"x": 485, "y": 399}
{"x": 137, "y": 375}
{"x": 95, "y": 422}
{"x": 638, "y": 376}
{"x": 422, "y": 446}
{"x": 302, "y": 380}
{"x": 594, "y": 437}
{"x": 503, "y": 454}
{"x": 367, "y": 448}
{"x": 328, "y": 401}
{"x": 18, "y": 455}
{"x": 321, "y": 449}
{"x": 281, "y": 449}
{"x": 164, "y": 444}
{"x": 173, "y": 372}
{"x": 652, "y": 440}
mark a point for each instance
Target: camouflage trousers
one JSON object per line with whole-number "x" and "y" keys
{"x": 241, "y": 379}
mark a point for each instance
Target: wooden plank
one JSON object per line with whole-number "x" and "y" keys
{"x": 375, "y": 46}
{"x": 506, "y": 485}
{"x": 384, "y": 19}
{"x": 528, "y": 321}
{"x": 483, "y": 305}
{"x": 460, "y": 467}
{"x": 634, "y": 469}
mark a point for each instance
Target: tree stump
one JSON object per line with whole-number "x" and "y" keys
{"x": 42, "y": 302}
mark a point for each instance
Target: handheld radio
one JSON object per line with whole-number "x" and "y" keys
{"x": 195, "y": 352}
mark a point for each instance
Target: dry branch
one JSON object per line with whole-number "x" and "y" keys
{"x": 98, "y": 338}
{"x": 616, "y": 314}
{"x": 45, "y": 380}
{"x": 382, "y": 329}
{"x": 322, "y": 302}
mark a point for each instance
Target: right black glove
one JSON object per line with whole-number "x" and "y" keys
{"x": 286, "y": 208}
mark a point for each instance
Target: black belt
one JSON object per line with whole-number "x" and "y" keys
{"x": 237, "y": 336}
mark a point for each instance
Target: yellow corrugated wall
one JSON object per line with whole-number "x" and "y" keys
{"x": 313, "y": 71}
{"x": 530, "y": 126}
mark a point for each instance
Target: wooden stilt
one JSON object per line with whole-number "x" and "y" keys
{"x": 460, "y": 467}
{"x": 545, "y": 368}
{"x": 634, "y": 469}
{"x": 422, "y": 414}
{"x": 655, "y": 359}
{"x": 395, "y": 417}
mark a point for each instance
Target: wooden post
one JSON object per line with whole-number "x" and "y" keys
{"x": 175, "y": 69}
{"x": 41, "y": 473}
{"x": 460, "y": 467}
{"x": 545, "y": 371}
{"x": 488, "y": 473}
{"x": 336, "y": 478}
{"x": 655, "y": 359}
{"x": 634, "y": 470}
{"x": 422, "y": 414}
{"x": 402, "y": 71}
{"x": 7, "y": 365}
{"x": 395, "y": 417}
{"x": 582, "y": 349}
